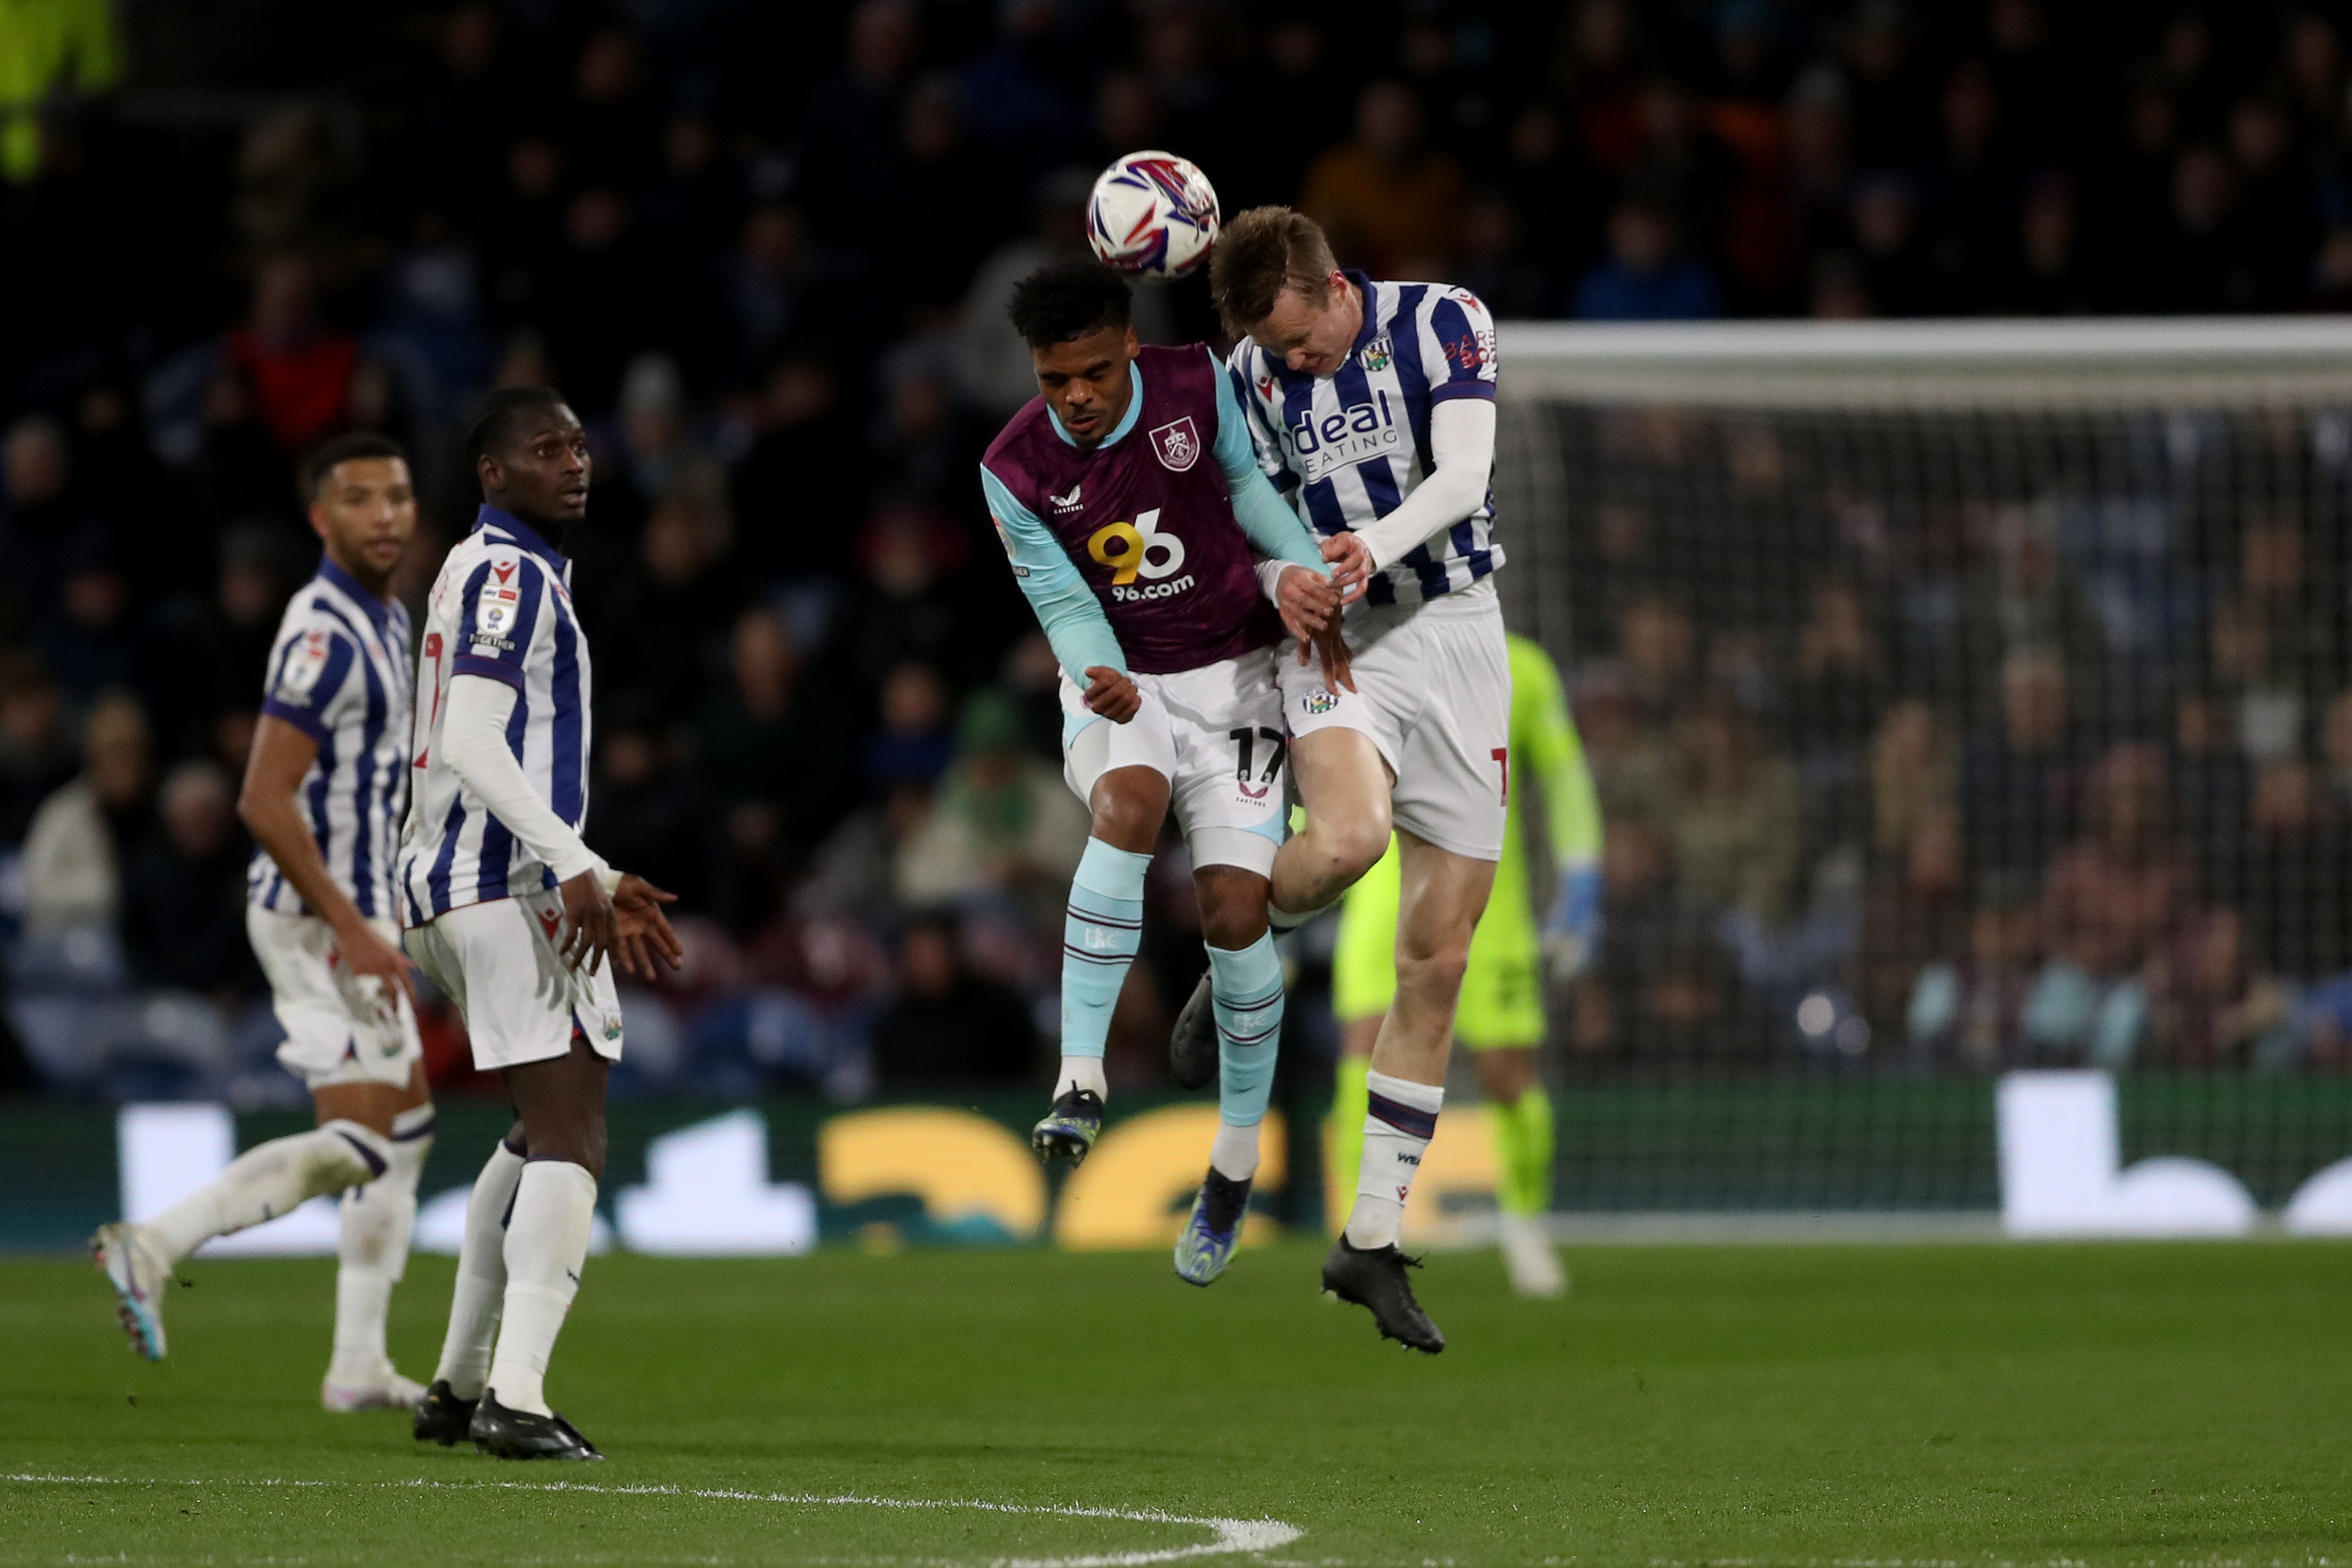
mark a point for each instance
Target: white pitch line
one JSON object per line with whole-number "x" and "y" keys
{"x": 1232, "y": 1535}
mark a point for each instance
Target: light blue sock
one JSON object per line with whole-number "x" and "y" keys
{"x": 1099, "y": 935}
{"x": 1245, "y": 985}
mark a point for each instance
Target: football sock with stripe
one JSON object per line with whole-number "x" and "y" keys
{"x": 1523, "y": 1146}
{"x": 547, "y": 1246}
{"x": 1245, "y": 990}
{"x": 481, "y": 1276}
{"x": 1099, "y": 935}
{"x": 1400, "y": 1119}
{"x": 375, "y": 1221}
{"x": 270, "y": 1179}
{"x": 1349, "y": 1098}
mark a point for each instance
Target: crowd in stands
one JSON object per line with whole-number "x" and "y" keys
{"x": 764, "y": 248}
{"x": 2052, "y": 766}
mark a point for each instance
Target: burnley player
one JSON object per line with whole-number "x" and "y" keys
{"x": 324, "y": 795}
{"x": 512, "y": 915}
{"x": 1130, "y": 502}
{"x": 1372, "y": 408}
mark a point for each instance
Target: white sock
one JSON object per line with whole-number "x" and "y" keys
{"x": 1082, "y": 1073}
{"x": 270, "y": 1179}
{"x": 1234, "y": 1154}
{"x": 547, "y": 1246}
{"x": 376, "y": 1222}
{"x": 481, "y": 1277}
{"x": 1401, "y": 1120}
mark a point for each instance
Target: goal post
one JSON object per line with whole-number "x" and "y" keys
{"x": 1964, "y": 697}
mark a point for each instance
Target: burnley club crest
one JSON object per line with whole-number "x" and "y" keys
{"x": 1178, "y": 444}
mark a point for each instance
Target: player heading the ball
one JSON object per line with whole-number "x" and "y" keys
{"x": 1165, "y": 571}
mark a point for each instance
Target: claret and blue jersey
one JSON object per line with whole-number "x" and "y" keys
{"x": 339, "y": 672}
{"x": 500, "y": 610}
{"x": 1136, "y": 553}
{"x": 1346, "y": 448}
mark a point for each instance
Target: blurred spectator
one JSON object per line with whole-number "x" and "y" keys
{"x": 1021, "y": 95}
{"x": 1914, "y": 777}
{"x": 85, "y": 833}
{"x": 183, "y": 892}
{"x": 208, "y": 659}
{"x": 2208, "y": 1006}
{"x": 36, "y": 756}
{"x": 2211, "y": 783}
{"x": 1004, "y": 821}
{"x": 2109, "y": 901}
{"x": 1390, "y": 204}
{"x": 1913, "y": 915}
{"x": 2018, "y": 782}
{"x": 1645, "y": 277}
{"x": 1664, "y": 988}
{"x": 949, "y": 1025}
{"x": 641, "y": 814}
{"x": 769, "y": 751}
{"x": 2290, "y": 876}
{"x": 299, "y": 372}
{"x": 1733, "y": 808}
{"x": 855, "y": 875}
{"x": 914, "y": 743}
{"x": 1970, "y": 1013}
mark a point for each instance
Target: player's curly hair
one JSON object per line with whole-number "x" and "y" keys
{"x": 496, "y": 414}
{"x": 1066, "y": 299}
{"x": 1260, "y": 253}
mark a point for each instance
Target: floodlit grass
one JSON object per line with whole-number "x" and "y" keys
{"x": 1965, "y": 1404}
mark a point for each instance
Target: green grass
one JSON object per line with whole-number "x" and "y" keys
{"x": 1967, "y": 1403}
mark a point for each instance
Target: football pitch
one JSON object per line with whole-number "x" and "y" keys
{"x": 1957, "y": 1403}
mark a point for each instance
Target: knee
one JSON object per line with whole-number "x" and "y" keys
{"x": 1432, "y": 968}
{"x": 1127, "y": 820}
{"x": 1354, "y": 843}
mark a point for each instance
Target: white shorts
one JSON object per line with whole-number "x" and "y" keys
{"x": 497, "y": 961}
{"x": 1434, "y": 693}
{"x": 340, "y": 1027}
{"x": 1216, "y": 734}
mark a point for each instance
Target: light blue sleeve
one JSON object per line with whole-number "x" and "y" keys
{"x": 1274, "y": 530}
{"x": 1064, "y": 606}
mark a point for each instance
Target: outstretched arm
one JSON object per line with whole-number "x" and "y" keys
{"x": 1545, "y": 738}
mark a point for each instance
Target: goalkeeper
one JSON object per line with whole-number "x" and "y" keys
{"x": 1501, "y": 1016}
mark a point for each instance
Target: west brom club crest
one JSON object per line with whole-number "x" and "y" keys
{"x": 1177, "y": 444}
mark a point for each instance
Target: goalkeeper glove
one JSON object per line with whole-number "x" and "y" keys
{"x": 1572, "y": 930}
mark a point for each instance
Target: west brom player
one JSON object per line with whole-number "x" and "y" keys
{"x": 1372, "y": 408}
{"x": 324, "y": 795}
{"x": 1501, "y": 1016}
{"x": 512, "y": 915}
{"x": 1130, "y": 501}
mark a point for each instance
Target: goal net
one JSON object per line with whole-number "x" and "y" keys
{"x": 1964, "y": 699}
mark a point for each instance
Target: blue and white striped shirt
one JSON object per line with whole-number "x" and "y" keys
{"x": 501, "y": 609}
{"x": 1346, "y": 448}
{"x": 339, "y": 672}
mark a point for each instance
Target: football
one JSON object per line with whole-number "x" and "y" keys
{"x": 1154, "y": 215}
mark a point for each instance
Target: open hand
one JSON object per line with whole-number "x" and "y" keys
{"x": 1112, "y": 694}
{"x": 590, "y": 924}
{"x": 1306, "y": 599}
{"x": 642, "y": 929}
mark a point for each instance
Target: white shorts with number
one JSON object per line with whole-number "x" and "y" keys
{"x": 1434, "y": 693}
{"x": 1216, "y": 734}
{"x": 499, "y": 962}
{"x": 341, "y": 1028}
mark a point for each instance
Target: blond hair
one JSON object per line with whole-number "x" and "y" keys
{"x": 1262, "y": 252}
